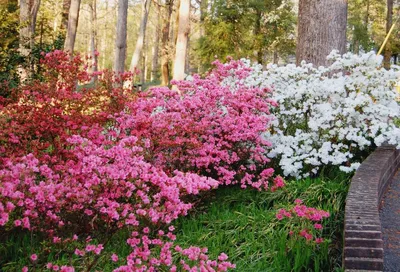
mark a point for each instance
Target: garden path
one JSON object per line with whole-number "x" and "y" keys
{"x": 390, "y": 219}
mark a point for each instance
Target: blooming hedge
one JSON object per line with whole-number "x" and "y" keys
{"x": 77, "y": 167}
{"x": 327, "y": 115}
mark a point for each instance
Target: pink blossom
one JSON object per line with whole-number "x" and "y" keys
{"x": 34, "y": 257}
{"x": 114, "y": 257}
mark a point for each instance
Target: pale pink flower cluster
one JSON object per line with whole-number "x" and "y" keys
{"x": 207, "y": 128}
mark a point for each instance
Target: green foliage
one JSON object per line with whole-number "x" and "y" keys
{"x": 9, "y": 57}
{"x": 367, "y": 26}
{"x": 251, "y": 29}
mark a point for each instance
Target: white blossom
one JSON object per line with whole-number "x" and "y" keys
{"x": 326, "y": 115}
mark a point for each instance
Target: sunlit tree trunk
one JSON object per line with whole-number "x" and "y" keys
{"x": 321, "y": 28}
{"x": 93, "y": 37}
{"x": 34, "y": 12}
{"x": 24, "y": 32}
{"x": 187, "y": 58}
{"x": 27, "y": 18}
{"x": 182, "y": 40}
{"x": 104, "y": 40}
{"x": 155, "y": 51}
{"x": 141, "y": 38}
{"x": 165, "y": 43}
{"x": 73, "y": 18}
{"x": 64, "y": 16}
{"x": 143, "y": 74}
{"x": 120, "y": 41}
{"x": 389, "y": 21}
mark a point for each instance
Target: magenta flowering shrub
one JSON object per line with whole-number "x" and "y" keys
{"x": 105, "y": 189}
{"x": 304, "y": 221}
{"x": 206, "y": 128}
{"x": 86, "y": 171}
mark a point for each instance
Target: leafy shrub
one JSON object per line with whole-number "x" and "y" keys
{"x": 40, "y": 116}
{"x": 327, "y": 115}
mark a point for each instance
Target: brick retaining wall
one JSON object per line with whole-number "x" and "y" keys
{"x": 363, "y": 244}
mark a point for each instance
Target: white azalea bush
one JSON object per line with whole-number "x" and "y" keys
{"x": 327, "y": 115}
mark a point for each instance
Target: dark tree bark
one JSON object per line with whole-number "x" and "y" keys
{"x": 321, "y": 29}
{"x": 389, "y": 21}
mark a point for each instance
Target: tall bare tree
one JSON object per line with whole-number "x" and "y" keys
{"x": 321, "y": 28}
{"x": 73, "y": 18}
{"x": 182, "y": 40}
{"x": 154, "y": 64}
{"x": 24, "y": 32}
{"x": 142, "y": 36}
{"x": 93, "y": 36}
{"x": 28, "y": 13}
{"x": 389, "y": 22}
{"x": 64, "y": 15}
{"x": 120, "y": 41}
{"x": 165, "y": 56}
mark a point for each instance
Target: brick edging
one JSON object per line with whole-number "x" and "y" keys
{"x": 363, "y": 244}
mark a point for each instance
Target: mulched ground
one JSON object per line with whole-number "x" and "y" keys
{"x": 390, "y": 218}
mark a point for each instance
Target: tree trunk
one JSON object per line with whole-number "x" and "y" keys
{"x": 104, "y": 40}
{"x": 142, "y": 33}
{"x": 64, "y": 16}
{"x": 182, "y": 40}
{"x": 34, "y": 11}
{"x": 120, "y": 41}
{"x": 187, "y": 59}
{"x": 73, "y": 18}
{"x": 24, "y": 32}
{"x": 28, "y": 11}
{"x": 389, "y": 21}
{"x": 257, "y": 32}
{"x": 321, "y": 29}
{"x": 175, "y": 29}
{"x": 203, "y": 16}
{"x": 24, "y": 37}
{"x": 93, "y": 37}
{"x": 165, "y": 43}
{"x": 276, "y": 56}
{"x": 143, "y": 74}
{"x": 154, "y": 65}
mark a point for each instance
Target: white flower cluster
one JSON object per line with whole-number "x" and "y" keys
{"x": 327, "y": 115}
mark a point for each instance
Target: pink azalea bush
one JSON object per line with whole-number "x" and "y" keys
{"x": 304, "y": 221}
{"x": 136, "y": 169}
{"x": 207, "y": 128}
